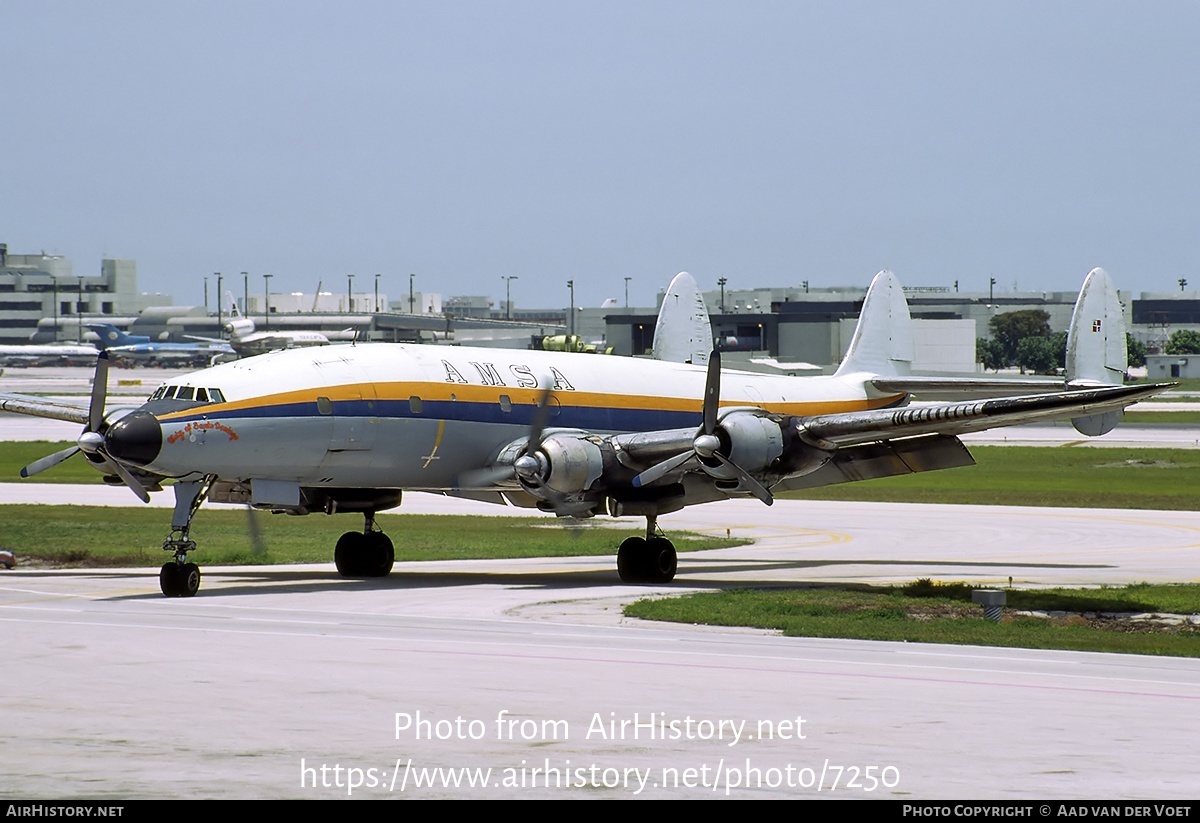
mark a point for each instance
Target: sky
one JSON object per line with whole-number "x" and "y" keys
{"x": 766, "y": 142}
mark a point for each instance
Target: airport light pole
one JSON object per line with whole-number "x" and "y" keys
{"x": 79, "y": 309}
{"x": 246, "y": 293}
{"x": 508, "y": 294}
{"x": 350, "y": 293}
{"x": 571, "y": 312}
{"x": 220, "y": 297}
{"x": 721, "y": 281}
{"x": 267, "y": 298}
{"x": 627, "y": 279}
{"x": 377, "y": 293}
{"x": 54, "y": 285}
{"x": 411, "y": 310}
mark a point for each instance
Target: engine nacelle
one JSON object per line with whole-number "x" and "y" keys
{"x": 751, "y": 441}
{"x": 567, "y": 465}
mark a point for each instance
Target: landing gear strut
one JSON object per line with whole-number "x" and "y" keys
{"x": 368, "y": 553}
{"x": 178, "y": 577}
{"x": 649, "y": 559}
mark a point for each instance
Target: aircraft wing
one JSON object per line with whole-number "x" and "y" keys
{"x": 853, "y": 428}
{"x": 747, "y": 450}
{"x": 962, "y": 388}
{"x": 40, "y": 407}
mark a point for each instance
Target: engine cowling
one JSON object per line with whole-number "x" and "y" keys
{"x": 562, "y": 464}
{"x": 752, "y": 441}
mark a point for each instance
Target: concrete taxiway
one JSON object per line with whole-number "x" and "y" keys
{"x": 288, "y": 681}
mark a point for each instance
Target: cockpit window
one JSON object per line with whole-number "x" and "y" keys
{"x": 201, "y": 395}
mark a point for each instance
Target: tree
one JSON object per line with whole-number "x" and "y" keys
{"x": 1136, "y": 350}
{"x": 1183, "y": 341}
{"x": 990, "y": 353}
{"x": 1037, "y": 354}
{"x": 1012, "y": 327}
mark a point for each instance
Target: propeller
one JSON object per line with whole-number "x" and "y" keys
{"x": 91, "y": 441}
{"x": 526, "y": 465}
{"x": 706, "y": 444}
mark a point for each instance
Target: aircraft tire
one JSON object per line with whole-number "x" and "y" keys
{"x": 189, "y": 580}
{"x": 348, "y": 555}
{"x": 631, "y": 560}
{"x": 661, "y": 561}
{"x": 168, "y": 577}
{"x": 177, "y": 580}
{"x": 381, "y": 554}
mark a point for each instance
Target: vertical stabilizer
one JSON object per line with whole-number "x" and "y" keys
{"x": 1096, "y": 348}
{"x": 1097, "y": 353}
{"x": 684, "y": 332}
{"x": 883, "y": 340}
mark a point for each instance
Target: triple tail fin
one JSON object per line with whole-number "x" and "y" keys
{"x": 883, "y": 339}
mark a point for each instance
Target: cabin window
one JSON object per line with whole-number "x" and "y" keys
{"x": 324, "y": 405}
{"x": 185, "y": 393}
{"x": 505, "y": 403}
{"x": 415, "y": 404}
{"x": 202, "y": 395}
{"x": 158, "y": 393}
{"x": 215, "y": 396}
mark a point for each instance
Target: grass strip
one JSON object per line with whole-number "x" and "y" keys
{"x": 1042, "y": 476}
{"x": 926, "y": 612}
{"x": 107, "y": 536}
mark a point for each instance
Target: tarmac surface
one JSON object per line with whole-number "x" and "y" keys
{"x": 521, "y": 678}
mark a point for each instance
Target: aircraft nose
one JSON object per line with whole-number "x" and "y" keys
{"x": 135, "y": 439}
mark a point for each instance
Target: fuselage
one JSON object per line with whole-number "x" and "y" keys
{"x": 403, "y": 416}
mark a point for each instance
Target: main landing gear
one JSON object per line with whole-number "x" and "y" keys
{"x": 649, "y": 559}
{"x": 368, "y": 553}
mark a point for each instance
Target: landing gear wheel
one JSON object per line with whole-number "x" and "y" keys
{"x": 189, "y": 580}
{"x": 348, "y": 554}
{"x": 661, "y": 561}
{"x": 380, "y": 554}
{"x": 168, "y": 577}
{"x": 179, "y": 580}
{"x": 631, "y": 560}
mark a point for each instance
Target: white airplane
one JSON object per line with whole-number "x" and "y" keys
{"x": 248, "y": 342}
{"x": 350, "y": 428}
{"x": 28, "y": 354}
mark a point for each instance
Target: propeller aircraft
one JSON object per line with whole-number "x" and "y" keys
{"x": 349, "y": 428}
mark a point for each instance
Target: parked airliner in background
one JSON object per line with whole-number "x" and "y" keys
{"x": 138, "y": 348}
{"x": 349, "y": 428}
{"x": 32, "y": 354}
{"x": 248, "y": 342}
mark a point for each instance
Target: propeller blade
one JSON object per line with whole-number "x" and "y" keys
{"x": 485, "y": 478}
{"x": 712, "y": 392}
{"x": 661, "y": 469}
{"x": 99, "y": 393}
{"x": 49, "y": 460}
{"x": 258, "y": 545}
{"x": 541, "y": 414}
{"x": 757, "y": 489}
{"x": 127, "y": 478}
